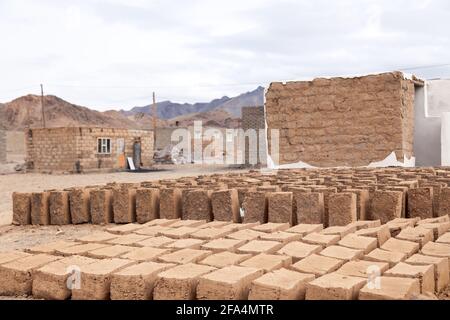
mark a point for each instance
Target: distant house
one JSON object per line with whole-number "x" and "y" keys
{"x": 82, "y": 149}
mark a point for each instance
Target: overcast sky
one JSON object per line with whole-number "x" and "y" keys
{"x": 113, "y": 53}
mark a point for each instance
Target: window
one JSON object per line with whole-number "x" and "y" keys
{"x": 104, "y": 146}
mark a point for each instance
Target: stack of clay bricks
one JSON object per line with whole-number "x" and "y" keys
{"x": 333, "y": 197}
{"x": 193, "y": 259}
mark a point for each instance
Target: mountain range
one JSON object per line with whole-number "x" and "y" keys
{"x": 26, "y": 111}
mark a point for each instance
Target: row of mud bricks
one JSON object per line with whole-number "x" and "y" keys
{"x": 333, "y": 197}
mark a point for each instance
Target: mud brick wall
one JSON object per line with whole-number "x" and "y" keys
{"x": 2, "y": 146}
{"x": 254, "y": 118}
{"x": 343, "y": 121}
{"x": 75, "y": 149}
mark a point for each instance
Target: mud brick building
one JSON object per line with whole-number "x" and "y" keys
{"x": 2, "y": 146}
{"x": 81, "y": 149}
{"x": 254, "y": 118}
{"x": 343, "y": 121}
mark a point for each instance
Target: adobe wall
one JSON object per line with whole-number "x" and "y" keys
{"x": 343, "y": 121}
{"x": 254, "y": 118}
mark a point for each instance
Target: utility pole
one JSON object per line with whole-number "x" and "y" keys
{"x": 42, "y": 106}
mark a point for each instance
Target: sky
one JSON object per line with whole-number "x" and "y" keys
{"x": 112, "y": 54}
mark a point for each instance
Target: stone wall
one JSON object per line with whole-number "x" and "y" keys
{"x": 343, "y": 121}
{"x": 254, "y": 118}
{"x": 75, "y": 149}
{"x": 2, "y": 146}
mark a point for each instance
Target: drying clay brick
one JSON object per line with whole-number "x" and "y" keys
{"x": 229, "y": 283}
{"x": 210, "y": 233}
{"x": 197, "y": 205}
{"x": 179, "y": 283}
{"x": 170, "y": 203}
{"x": 147, "y": 205}
{"x": 425, "y": 274}
{"x": 80, "y": 249}
{"x": 268, "y": 262}
{"x": 317, "y": 265}
{"x": 59, "y": 208}
{"x": 281, "y": 236}
{"x": 363, "y": 269}
{"x": 281, "y": 284}
{"x": 360, "y": 225}
{"x": 390, "y": 257}
{"x": 342, "y": 209}
{"x": 441, "y": 269}
{"x": 21, "y": 208}
{"x": 152, "y": 231}
{"x": 10, "y": 256}
{"x": 437, "y": 250}
{"x": 420, "y": 203}
{"x": 188, "y": 223}
{"x": 225, "y": 205}
{"x": 342, "y": 253}
{"x": 444, "y": 239}
{"x": 255, "y": 207}
{"x": 109, "y": 252}
{"x": 101, "y": 206}
{"x": 129, "y": 240}
{"x": 52, "y": 247}
{"x": 299, "y": 250}
{"x": 125, "y": 228}
{"x": 444, "y": 202}
{"x": 353, "y": 241}
{"x": 280, "y": 208}
{"x": 97, "y": 237}
{"x": 234, "y": 227}
{"x": 260, "y": 246}
{"x": 382, "y": 234}
{"x": 439, "y": 229}
{"x": 321, "y": 239}
{"x": 79, "y": 206}
{"x": 145, "y": 254}
{"x": 40, "y": 214}
{"x": 179, "y": 233}
{"x": 391, "y": 288}
{"x": 184, "y": 256}
{"x": 272, "y": 227}
{"x": 340, "y": 231}
{"x": 305, "y": 229}
{"x": 137, "y": 281}
{"x": 407, "y": 247}
{"x": 220, "y": 245}
{"x": 386, "y": 205}
{"x": 334, "y": 286}
{"x": 156, "y": 242}
{"x": 124, "y": 205}
{"x": 16, "y": 276}
{"x": 310, "y": 208}
{"x": 419, "y": 235}
{"x": 362, "y": 203}
{"x": 216, "y": 224}
{"x": 185, "y": 244}
{"x": 161, "y": 222}
{"x": 246, "y": 234}
{"x": 224, "y": 259}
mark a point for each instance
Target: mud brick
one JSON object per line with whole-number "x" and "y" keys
{"x": 101, "y": 206}
{"x": 185, "y": 244}
{"x": 391, "y": 257}
{"x": 246, "y": 234}
{"x": 179, "y": 233}
{"x": 420, "y": 203}
{"x": 363, "y": 269}
{"x": 255, "y": 207}
{"x": 155, "y": 242}
{"x": 228, "y": 283}
{"x": 310, "y": 208}
{"x": 97, "y": 237}
{"x": 353, "y": 241}
{"x": 109, "y": 252}
{"x": 299, "y": 250}
{"x": 161, "y": 222}
{"x": 305, "y": 229}
{"x": 440, "y": 265}
{"x": 179, "y": 283}
{"x": 281, "y": 236}
{"x": 272, "y": 227}
{"x": 280, "y": 208}
{"x": 317, "y": 265}
{"x": 281, "y": 284}
{"x": 382, "y": 234}
{"x": 444, "y": 202}
{"x": 407, "y": 247}
{"x": 197, "y": 205}
{"x": 10, "y": 256}
{"x": 334, "y": 286}
{"x": 209, "y": 233}
{"x": 224, "y": 259}
{"x": 185, "y": 256}
{"x": 215, "y": 224}
{"x": 361, "y": 225}
{"x": 441, "y": 219}
{"x": 439, "y": 229}
{"x": 397, "y": 225}
{"x": 16, "y": 276}
{"x": 147, "y": 205}
{"x": 96, "y": 279}
{"x": 40, "y": 214}
{"x": 220, "y": 245}
{"x": 362, "y": 203}
{"x": 444, "y": 239}
{"x": 386, "y": 205}
{"x": 125, "y": 228}
{"x": 152, "y": 231}
{"x": 225, "y": 205}
{"x": 80, "y": 249}
{"x": 52, "y": 247}
{"x": 260, "y": 246}
{"x": 59, "y": 208}
{"x": 437, "y": 250}
{"x": 21, "y": 208}
{"x": 323, "y": 240}
{"x": 339, "y": 231}
{"x": 79, "y": 201}
{"x": 425, "y": 274}
{"x": 189, "y": 223}
{"x": 391, "y": 288}
{"x": 124, "y": 205}
{"x": 233, "y": 227}
{"x": 268, "y": 262}
{"x": 420, "y": 235}
{"x": 342, "y": 209}
{"x": 145, "y": 254}
{"x": 129, "y": 240}
{"x": 170, "y": 203}
{"x": 342, "y": 253}
{"x": 51, "y": 281}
